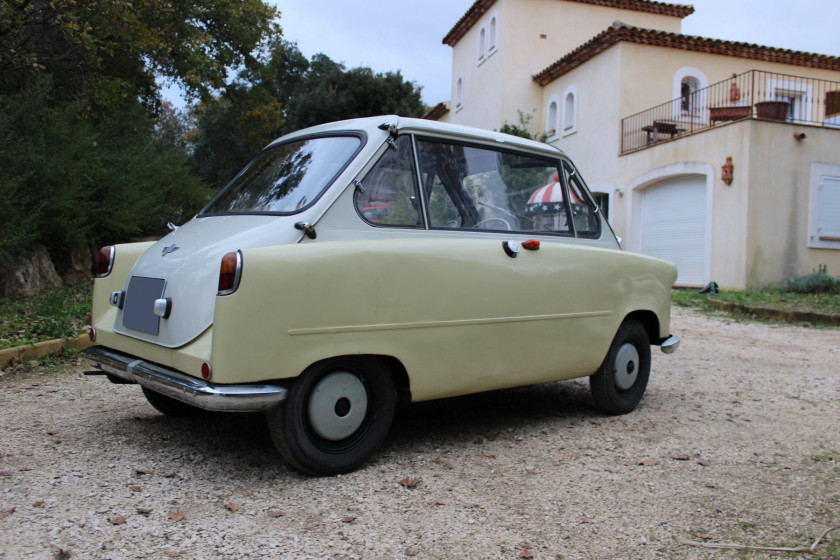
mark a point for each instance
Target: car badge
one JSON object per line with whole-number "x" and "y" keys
{"x": 171, "y": 249}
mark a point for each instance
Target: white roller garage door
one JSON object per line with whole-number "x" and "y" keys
{"x": 674, "y": 226}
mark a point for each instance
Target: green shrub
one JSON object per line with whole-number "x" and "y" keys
{"x": 818, "y": 282}
{"x": 69, "y": 178}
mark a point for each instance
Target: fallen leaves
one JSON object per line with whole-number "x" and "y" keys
{"x": 117, "y": 520}
{"x": 348, "y": 519}
{"x": 62, "y": 554}
{"x": 38, "y": 504}
{"x": 410, "y": 483}
{"x": 134, "y": 488}
{"x": 526, "y": 553}
{"x": 276, "y": 513}
{"x": 144, "y": 511}
{"x": 176, "y": 515}
{"x": 231, "y": 507}
{"x": 5, "y": 473}
{"x": 6, "y": 513}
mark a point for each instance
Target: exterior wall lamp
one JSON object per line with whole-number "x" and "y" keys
{"x": 727, "y": 171}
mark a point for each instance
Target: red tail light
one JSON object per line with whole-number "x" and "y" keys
{"x": 230, "y": 273}
{"x": 105, "y": 261}
{"x": 206, "y": 370}
{"x": 531, "y": 244}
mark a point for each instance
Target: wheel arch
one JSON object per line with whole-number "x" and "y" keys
{"x": 649, "y": 321}
{"x": 399, "y": 374}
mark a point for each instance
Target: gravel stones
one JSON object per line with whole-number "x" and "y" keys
{"x": 736, "y": 440}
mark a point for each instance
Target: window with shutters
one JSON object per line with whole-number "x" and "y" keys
{"x": 552, "y": 118}
{"x": 570, "y": 111}
{"x": 824, "y": 208}
{"x": 492, "y": 36}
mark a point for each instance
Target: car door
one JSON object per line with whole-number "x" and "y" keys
{"x": 519, "y": 315}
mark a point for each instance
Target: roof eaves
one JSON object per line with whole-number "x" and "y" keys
{"x": 472, "y": 15}
{"x": 436, "y": 112}
{"x": 622, "y": 32}
{"x": 480, "y": 7}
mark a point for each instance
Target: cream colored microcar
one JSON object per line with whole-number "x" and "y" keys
{"x": 361, "y": 263}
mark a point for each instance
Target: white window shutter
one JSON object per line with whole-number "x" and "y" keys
{"x": 828, "y": 225}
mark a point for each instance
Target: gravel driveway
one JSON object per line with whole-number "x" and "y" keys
{"x": 736, "y": 440}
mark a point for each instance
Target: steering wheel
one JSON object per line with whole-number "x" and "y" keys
{"x": 504, "y": 222}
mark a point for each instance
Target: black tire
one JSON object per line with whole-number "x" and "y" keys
{"x": 335, "y": 416}
{"x": 620, "y": 382}
{"x": 169, "y": 406}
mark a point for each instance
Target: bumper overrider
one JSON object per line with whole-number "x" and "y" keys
{"x": 182, "y": 387}
{"x": 670, "y": 344}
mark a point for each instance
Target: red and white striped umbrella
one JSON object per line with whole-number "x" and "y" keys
{"x": 552, "y": 192}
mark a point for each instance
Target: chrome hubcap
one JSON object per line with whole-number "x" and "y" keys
{"x": 337, "y": 406}
{"x": 626, "y": 366}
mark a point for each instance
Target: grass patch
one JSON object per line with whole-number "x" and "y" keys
{"x": 775, "y": 298}
{"x": 826, "y": 457}
{"x": 817, "y": 292}
{"x": 61, "y": 313}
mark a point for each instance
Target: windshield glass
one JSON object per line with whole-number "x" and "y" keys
{"x": 286, "y": 178}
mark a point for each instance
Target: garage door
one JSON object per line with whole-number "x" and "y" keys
{"x": 674, "y": 226}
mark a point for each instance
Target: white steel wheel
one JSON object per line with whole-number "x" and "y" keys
{"x": 626, "y": 366}
{"x": 335, "y": 416}
{"x": 620, "y": 382}
{"x": 337, "y": 405}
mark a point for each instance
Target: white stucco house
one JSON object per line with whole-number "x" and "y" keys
{"x": 722, "y": 157}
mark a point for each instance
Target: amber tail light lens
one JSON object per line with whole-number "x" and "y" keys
{"x": 230, "y": 273}
{"x": 105, "y": 261}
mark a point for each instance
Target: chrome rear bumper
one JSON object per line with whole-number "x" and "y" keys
{"x": 670, "y": 344}
{"x": 191, "y": 390}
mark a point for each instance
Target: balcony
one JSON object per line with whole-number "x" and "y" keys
{"x": 752, "y": 95}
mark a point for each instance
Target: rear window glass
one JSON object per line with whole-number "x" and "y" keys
{"x": 286, "y": 178}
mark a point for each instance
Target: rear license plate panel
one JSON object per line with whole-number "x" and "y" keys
{"x": 138, "y": 310}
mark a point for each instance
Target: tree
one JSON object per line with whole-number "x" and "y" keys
{"x": 70, "y": 179}
{"x": 284, "y": 92}
{"x": 90, "y": 153}
{"x": 329, "y": 92}
{"x": 110, "y": 52}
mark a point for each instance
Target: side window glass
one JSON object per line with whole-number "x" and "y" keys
{"x": 485, "y": 189}
{"x": 390, "y": 197}
{"x": 585, "y": 218}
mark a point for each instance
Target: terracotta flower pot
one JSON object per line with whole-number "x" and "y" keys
{"x": 773, "y": 110}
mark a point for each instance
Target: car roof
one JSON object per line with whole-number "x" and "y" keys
{"x": 379, "y": 126}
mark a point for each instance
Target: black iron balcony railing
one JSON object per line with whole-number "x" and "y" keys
{"x": 752, "y": 95}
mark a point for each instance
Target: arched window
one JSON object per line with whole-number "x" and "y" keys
{"x": 569, "y": 110}
{"x": 552, "y": 117}
{"x": 459, "y": 92}
{"x": 482, "y": 42}
{"x": 688, "y": 94}
{"x": 492, "y": 35}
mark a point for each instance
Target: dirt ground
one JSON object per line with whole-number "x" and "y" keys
{"x": 737, "y": 440}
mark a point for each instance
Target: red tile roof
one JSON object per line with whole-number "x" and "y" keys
{"x": 480, "y": 7}
{"x": 622, "y": 32}
{"x": 436, "y": 112}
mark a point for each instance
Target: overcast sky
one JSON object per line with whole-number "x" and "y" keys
{"x": 406, "y": 35}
